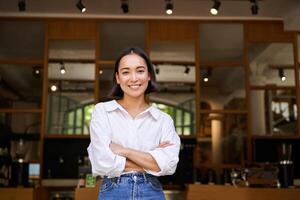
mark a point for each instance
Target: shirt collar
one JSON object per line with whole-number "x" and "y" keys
{"x": 154, "y": 112}
{"x": 114, "y": 105}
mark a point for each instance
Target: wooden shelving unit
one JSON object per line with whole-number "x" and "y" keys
{"x": 162, "y": 31}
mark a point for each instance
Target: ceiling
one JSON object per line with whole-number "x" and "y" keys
{"x": 234, "y": 9}
{"x": 231, "y": 40}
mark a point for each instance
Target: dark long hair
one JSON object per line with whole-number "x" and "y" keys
{"x": 116, "y": 91}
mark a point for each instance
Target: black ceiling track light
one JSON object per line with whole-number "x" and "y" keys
{"x": 125, "y": 6}
{"x": 187, "y": 70}
{"x": 254, "y": 7}
{"x": 215, "y": 8}
{"x": 80, "y": 6}
{"x": 169, "y": 7}
{"x": 157, "y": 70}
{"x": 22, "y": 5}
{"x": 206, "y": 74}
{"x": 281, "y": 74}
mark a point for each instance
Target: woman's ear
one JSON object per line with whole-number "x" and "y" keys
{"x": 117, "y": 78}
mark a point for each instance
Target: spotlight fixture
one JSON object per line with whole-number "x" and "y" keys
{"x": 254, "y": 7}
{"x": 215, "y": 8}
{"x": 206, "y": 74}
{"x": 101, "y": 71}
{"x": 157, "y": 70}
{"x": 22, "y": 5}
{"x": 53, "y": 88}
{"x": 169, "y": 7}
{"x": 36, "y": 71}
{"x": 187, "y": 70}
{"x": 281, "y": 74}
{"x": 80, "y": 6}
{"x": 125, "y": 6}
{"x": 62, "y": 68}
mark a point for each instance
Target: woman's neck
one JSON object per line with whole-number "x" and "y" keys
{"x": 133, "y": 106}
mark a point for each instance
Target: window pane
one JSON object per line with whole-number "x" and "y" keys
{"x": 21, "y": 39}
{"x": 225, "y": 134}
{"x": 21, "y": 86}
{"x": 223, "y": 88}
{"x": 232, "y": 41}
{"x": 274, "y": 112}
{"x": 272, "y": 64}
{"x": 112, "y": 42}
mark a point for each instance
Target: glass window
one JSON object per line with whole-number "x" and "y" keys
{"x": 274, "y": 112}
{"x": 21, "y": 86}
{"x": 116, "y": 36}
{"x": 71, "y": 81}
{"x": 214, "y": 48}
{"x": 22, "y": 39}
{"x": 223, "y": 138}
{"x": 272, "y": 64}
{"x": 223, "y": 88}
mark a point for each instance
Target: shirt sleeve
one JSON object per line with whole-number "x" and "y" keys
{"x": 168, "y": 157}
{"x": 104, "y": 162}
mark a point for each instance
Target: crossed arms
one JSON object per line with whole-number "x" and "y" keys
{"x": 137, "y": 160}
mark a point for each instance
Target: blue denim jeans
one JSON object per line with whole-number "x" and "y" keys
{"x": 132, "y": 186}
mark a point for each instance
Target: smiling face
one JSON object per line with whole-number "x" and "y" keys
{"x": 133, "y": 76}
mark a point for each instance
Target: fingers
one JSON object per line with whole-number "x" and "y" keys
{"x": 164, "y": 144}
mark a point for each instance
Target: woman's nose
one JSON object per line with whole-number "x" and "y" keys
{"x": 133, "y": 76}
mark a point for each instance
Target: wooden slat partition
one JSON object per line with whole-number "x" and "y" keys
{"x": 219, "y": 192}
{"x": 267, "y": 31}
{"x": 172, "y": 30}
{"x": 71, "y": 29}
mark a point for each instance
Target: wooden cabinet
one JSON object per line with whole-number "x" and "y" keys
{"x": 18, "y": 193}
{"x": 87, "y": 193}
{"x": 216, "y": 192}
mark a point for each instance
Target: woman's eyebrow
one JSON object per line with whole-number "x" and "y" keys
{"x": 141, "y": 66}
{"x": 137, "y": 67}
{"x": 124, "y": 68}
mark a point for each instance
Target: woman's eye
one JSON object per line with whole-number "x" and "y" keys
{"x": 141, "y": 71}
{"x": 124, "y": 73}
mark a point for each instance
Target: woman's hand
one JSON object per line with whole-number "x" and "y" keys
{"x": 164, "y": 144}
{"x": 117, "y": 149}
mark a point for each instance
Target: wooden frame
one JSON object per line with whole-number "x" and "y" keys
{"x": 161, "y": 30}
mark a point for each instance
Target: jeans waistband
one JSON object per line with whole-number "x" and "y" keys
{"x": 135, "y": 176}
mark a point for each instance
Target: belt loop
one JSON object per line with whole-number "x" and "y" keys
{"x": 119, "y": 179}
{"x": 145, "y": 178}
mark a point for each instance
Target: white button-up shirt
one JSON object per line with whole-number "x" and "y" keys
{"x": 112, "y": 123}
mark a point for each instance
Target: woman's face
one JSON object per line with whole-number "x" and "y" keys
{"x": 133, "y": 75}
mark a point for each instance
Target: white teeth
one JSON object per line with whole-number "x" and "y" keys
{"x": 134, "y": 86}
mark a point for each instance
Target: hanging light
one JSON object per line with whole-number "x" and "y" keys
{"x": 281, "y": 74}
{"x": 80, "y": 6}
{"x": 187, "y": 70}
{"x": 169, "y": 7}
{"x": 62, "y": 68}
{"x": 36, "y": 71}
{"x": 215, "y": 8}
{"x": 206, "y": 74}
{"x": 53, "y": 88}
{"x": 125, "y": 6}
{"x": 157, "y": 70}
{"x": 254, "y": 7}
{"x": 22, "y": 5}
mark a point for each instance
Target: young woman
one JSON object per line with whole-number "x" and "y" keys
{"x": 132, "y": 142}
